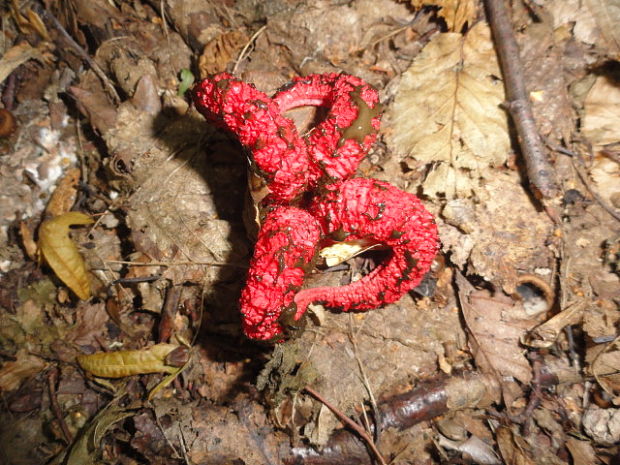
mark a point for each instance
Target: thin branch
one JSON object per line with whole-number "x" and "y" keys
{"x": 174, "y": 263}
{"x": 242, "y": 54}
{"x": 586, "y": 182}
{"x": 539, "y": 171}
{"x": 81, "y": 53}
{"x": 350, "y": 423}
{"x": 52, "y": 378}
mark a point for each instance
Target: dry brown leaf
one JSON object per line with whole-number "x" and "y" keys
{"x": 129, "y": 362}
{"x": 546, "y": 334}
{"x": 30, "y": 246}
{"x": 31, "y": 23}
{"x": 61, "y": 253}
{"x": 582, "y": 452}
{"x": 601, "y": 123}
{"x": 593, "y": 22}
{"x": 499, "y": 233}
{"x": 607, "y": 16}
{"x": 512, "y": 447}
{"x": 495, "y": 331}
{"x": 478, "y": 450}
{"x": 17, "y": 55}
{"x": 14, "y": 372}
{"x": 447, "y": 112}
{"x": 457, "y": 13}
{"x": 417, "y": 4}
{"x": 218, "y": 52}
{"x": 63, "y": 197}
{"x": 602, "y": 127}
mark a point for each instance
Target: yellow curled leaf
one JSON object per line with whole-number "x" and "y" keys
{"x": 340, "y": 252}
{"x": 61, "y": 253}
{"x": 129, "y": 362}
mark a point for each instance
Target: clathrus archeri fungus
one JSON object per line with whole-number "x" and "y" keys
{"x": 312, "y": 201}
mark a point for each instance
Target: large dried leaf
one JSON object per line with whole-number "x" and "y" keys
{"x": 129, "y": 362}
{"x": 496, "y": 332}
{"x": 593, "y": 22}
{"x": 220, "y": 51}
{"x": 601, "y": 126}
{"x": 607, "y": 15}
{"x": 17, "y": 55}
{"x": 447, "y": 112}
{"x": 61, "y": 253}
{"x": 455, "y": 12}
{"x": 14, "y": 372}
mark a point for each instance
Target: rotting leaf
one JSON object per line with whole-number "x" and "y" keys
{"x": 129, "y": 362}
{"x": 219, "y": 52}
{"x": 447, "y": 112}
{"x": 63, "y": 197}
{"x": 19, "y": 54}
{"x": 61, "y": 253}
{"x": 601, "y": 125}
{"x": 25, "y": 366}
{"x": 86, "y": 448}
{"x": 456, "y": 13}
{"x": 495, "y": 331}
{"x": 606, "y": 14}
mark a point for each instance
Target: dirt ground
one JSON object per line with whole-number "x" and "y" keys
{"x": 126, "y": 232}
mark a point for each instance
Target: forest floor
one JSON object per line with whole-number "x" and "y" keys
{"x": 126, "y": 232}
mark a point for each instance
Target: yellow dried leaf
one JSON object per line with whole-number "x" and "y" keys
{"x": 129, "y": 362}
{"x": 61, "y": 253}
{"x": 457, "y": 12}
{"x": 417, "y": 4}
{"x": 342, "y": 251}
{"x": 447, "y": 112}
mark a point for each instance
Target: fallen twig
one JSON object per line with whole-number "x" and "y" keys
{"x": 81, "y": 53}
{"x": 586, "y": 182}
{"x": 539, "y": 171}
{"x": 350, "y": 423}
{"x": 428, "y": 400}
{"x": 52, "y": 378}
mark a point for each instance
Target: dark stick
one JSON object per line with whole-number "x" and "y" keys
{"x": 109, "y": 87}
{"x": 52, "y": 378}
{"x": 539, "y": 170}
{"x": 350, "y": 423}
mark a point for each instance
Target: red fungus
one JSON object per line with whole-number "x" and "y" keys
{"x": 369, "y": 209}
{"x": 287, "y": 243}
{"x": 278, "y": 151}
{"x": 293, "y": 166}
{"x": 340, "y": 141}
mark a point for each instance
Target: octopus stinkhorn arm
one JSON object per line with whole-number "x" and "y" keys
{"x": 287, "y": 243}
{"x": 340, "y": 141}
{"x": 378, "y": 211}
{"x": 278, "y": 152}
{"x": 312, "y": 200}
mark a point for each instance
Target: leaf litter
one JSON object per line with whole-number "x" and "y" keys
{"x": 169, "y": 253}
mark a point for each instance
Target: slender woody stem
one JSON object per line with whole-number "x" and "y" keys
{"x": 539, "y": 170}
